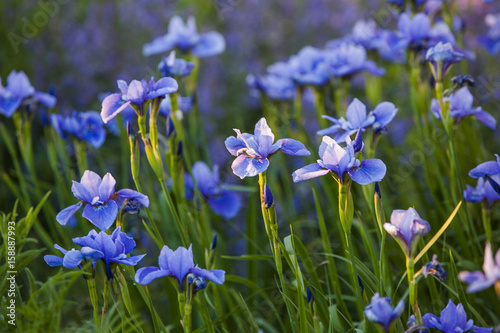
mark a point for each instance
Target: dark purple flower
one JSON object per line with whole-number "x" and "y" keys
{"x": 101, "y": 201}
{"x": 348, "y": 59}
{"x": 112, "y": 248}
{"x": 478, "y": 280}
{"x": 177, "y": 264}
{"x": 186, "y": 38}
{"x": 87, "y": 126}
{"x": 357, "y": 118}
{"x": 223, "y": 202}
{"x": 19, "y": 89}
{"x": 253, "y": 151}
{"x": 461, "y": 106}
{"x": 136, "y": 94}
{"x": 453, "y": 319}
{"x": 433, "y": 267}
{"x": 381, "y": 312}
{"x": 407, "y": 228}
{"x": 175, "y": 67}
{"x": 339, "y": 161}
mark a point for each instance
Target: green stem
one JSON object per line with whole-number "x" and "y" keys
{"x": 105, "y": 297}
{"x": 412, "y": 283}
{"x": 93, "y": 298}
{"x": 486, "y": 217}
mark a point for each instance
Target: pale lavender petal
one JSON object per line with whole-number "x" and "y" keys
{"x": 91, "y": 181}
{"x": 107, "y": 187}
{"x": 244, "y": 166}
{"x": 264, "y": 136}
{"x": 111, "y": 106}
{"x": 234, "y": 144}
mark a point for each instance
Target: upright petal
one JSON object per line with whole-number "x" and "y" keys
{"x": 107, "y": 187}
{"x": 356, "y": 113}
{"x": 91, "y": 181}
{"x": 370, "y": 171}
{"x": 264, "y": 137}
{"x": 64, "y": 215}
{"x": 163, "y": 258}
{"x": 180, "y": 263}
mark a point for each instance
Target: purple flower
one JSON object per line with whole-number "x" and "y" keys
{"x": 357, "y": 118}
{"x": 254, "y": 151}
{"x": 381, "y": 312}
{"x": 433, "y": 267}
{"x": 391, "y": 46}
{"x": 136, "y": 94}
{"x": 489, "y": 168}
{"x": 223, "y": 202}
{"x": 453, "y": 319}
{"x": 96, "y": 246}
{"x": 87, "y": 126}
{"x": 275, "y": 87}
{"x": 416, "y": 29}
{"x": 442, "y": 56}
{"x": 19, "y": 89}
{"x": 309, "y": 67}
{"x": 483, "y": 191}
{"x": 339, "y": 161}
{"x": 461, "y": 106}
{"x": 478, "y": 280}
{"x": 491, "y": 41}
{"x": 175, "y": 67}
{"x": 407, "y": 228}
{"x": 348, "y": 59}
{"x": 177, "y": 264}
{"x": 186, "y": 38}
{"x": 101, "y": 201}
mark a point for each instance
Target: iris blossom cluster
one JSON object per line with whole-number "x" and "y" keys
{"x": 452, "y": 319}
{"x": 136, "y": 94}
{"x": 100, "y": 199}
{"x": 341, "y": 161}
{"x": 358, "y": 118}
{"x": 19, "y": 89}
{"x": 185, "y": 37}
{"x": 177, "y": 264}
{"x": 87, "y": 126}
{"x": 461, "y": 106}
{"x": 253, "y": 151}
{"x": 112, "y": 248}
{"x": 222, "y": 201}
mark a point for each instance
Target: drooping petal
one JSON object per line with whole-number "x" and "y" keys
{"x": 484, "y": 169}
{"x": 158, "y": 45}
{"x": 215, "y": 275}
{"x": 64, "y": 215}
{"x": 226, "y": 204}
{"x": 52, "y": 260}
{"x": 101, "y": 216}
{"x": 91, "y": 253}
{"x": 107, "y": 187}
{"x": 45, "y": 99}
{"x": 9, "y": 105}
{"x": 111, "y": 106}
{"x": 430, "y": 320}
{"x": 72, "y": 259}
{"x": 244, "y": 166}
{"x": 130, "y": 261}
{"x": 308, "y": 172}
{"x": 131, "y": 194}
{"x": 370, "y": 171}
{"x": 210, "y": 44}
{"x": 234, "y": 144}
{"x": 145, "y": 275}
{"x": 204, "y": 178}
{"x": 293, "y": 147}
{"x": 487, "y": 119}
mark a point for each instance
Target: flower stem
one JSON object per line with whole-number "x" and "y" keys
{"x": 93, "y": 298}
{"x": 105, "y": 297}
{"x": 410, "y": 269}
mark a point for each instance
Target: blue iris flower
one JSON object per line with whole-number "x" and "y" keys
{"x": 223, "y": 202}
{"x": 489, "y": 168}
{"x": 357, "y": 118}
{"x": 407, "y": 228}
{"x": 341, "y": 161}
{"x": 253, "y": 151}
{"x": 442, "y": 56}
{"x": 177, "y": 264}
{"x": 101, "y": 201}
{"x": 87, "y": 126}
{"x": 185, "y": 37}
{"x": 483, "y": 191}
{"x": 276, "y": 87}
{"x": 137, "y": 93}
{"x": 175, "y": 67}
{"x": 308, "y": 67}
{"x": 461, "y": 106}
{"x": 112, "y": 248}
{"x": 381, "y": 312}
{"x": 478, "y": 280}
{"x": 491, "y": 41}
{"x": 416, "y": 29}
{"x": 453, "y": 319}
{"x": 348, "y": 59}
{"x": 19, "y": 89}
